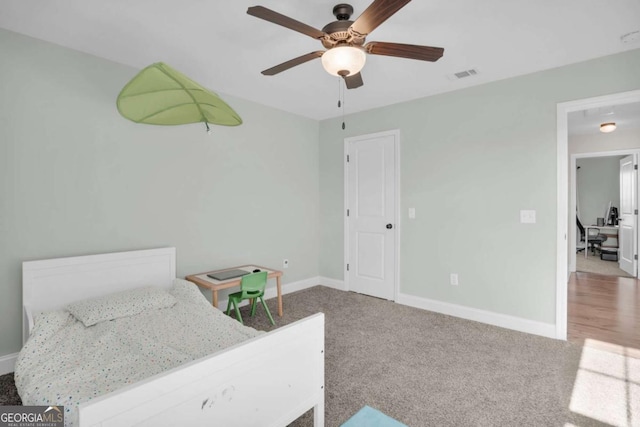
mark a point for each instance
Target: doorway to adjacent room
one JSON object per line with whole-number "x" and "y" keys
{"x": 566, "y": 205}
{"x": 603, "y": 195}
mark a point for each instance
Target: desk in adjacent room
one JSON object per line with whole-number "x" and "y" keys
{"x": 611, "y": 231}
{"x": 204, "y": 281}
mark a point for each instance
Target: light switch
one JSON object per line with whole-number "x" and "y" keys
{"x": 412, "y": 213}
{"x": 527, "y": 216}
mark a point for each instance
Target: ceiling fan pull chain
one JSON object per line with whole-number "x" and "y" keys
{"x": 341, "y": 99}
{"x": 342, "y": 87}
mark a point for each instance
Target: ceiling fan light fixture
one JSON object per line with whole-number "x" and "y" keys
{"x": 344, "y": 60}
{"x": 607, "y": 127}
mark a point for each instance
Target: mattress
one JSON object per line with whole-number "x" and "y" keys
{"x": 66, "y": 363}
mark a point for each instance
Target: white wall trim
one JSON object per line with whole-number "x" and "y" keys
{"x": 562, "y": 209}
{"x": 8, "y": 363}
{"x": 333, "y": 283}
{"x": 502, "y": 320}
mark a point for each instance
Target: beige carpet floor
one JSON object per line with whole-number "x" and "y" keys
{"x": 593, "y": 264}
{"x": 427, "y": 369}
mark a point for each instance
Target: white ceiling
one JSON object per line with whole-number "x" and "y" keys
{"x": 217, "y": 44}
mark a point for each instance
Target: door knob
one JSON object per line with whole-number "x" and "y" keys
{"x": 389, "y": 226}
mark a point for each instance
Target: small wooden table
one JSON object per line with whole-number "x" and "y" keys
{"x": 204, "y": 281}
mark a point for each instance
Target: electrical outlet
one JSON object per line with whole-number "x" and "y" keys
{"x": 453, "y": 279}
{"x": 285, "y": 263}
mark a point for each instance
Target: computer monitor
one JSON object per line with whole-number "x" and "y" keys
{"x": 607, "y": 214}
{"x": 612, "y": 219}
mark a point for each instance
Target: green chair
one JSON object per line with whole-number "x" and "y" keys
{"x": 251, "y": 287}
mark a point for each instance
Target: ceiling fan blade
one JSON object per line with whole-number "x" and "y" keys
{"x": 411, "y": 51}
{"x": 377, "y": 12}
{"x": 277, "y": 18}
{"x": 354, "y": 81}
{"x": 292, "y": 63}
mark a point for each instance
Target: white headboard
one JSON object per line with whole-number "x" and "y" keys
{"x": 52, "y": 284}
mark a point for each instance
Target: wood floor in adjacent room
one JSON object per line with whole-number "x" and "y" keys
{"x": 604, "y": 310}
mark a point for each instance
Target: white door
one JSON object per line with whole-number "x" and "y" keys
{"x": 627, "y": 216}
{"x": 371, "y": 221}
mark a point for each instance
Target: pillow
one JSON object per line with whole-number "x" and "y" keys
{"x": 121, "y": 304}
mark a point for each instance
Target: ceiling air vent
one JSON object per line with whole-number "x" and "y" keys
{"x": 631, "y": 37}
{"x": 463, "y": 74}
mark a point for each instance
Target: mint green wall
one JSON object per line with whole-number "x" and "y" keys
{"x": 77, "y": 178}
{"x": 470, "y": 161}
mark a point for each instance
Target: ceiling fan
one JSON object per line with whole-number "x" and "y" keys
{"x": 345, "y": 40}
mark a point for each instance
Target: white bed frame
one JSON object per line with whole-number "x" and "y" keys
{"x": 269, "y": 380}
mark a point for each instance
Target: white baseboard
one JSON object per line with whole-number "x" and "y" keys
{"x": 8, "y": 363}
{"x": 503, "y": 320}
{"x": 287, "y": 288}
{"x": 333, "y": 283}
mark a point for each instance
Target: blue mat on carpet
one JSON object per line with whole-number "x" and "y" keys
{"x": 369, "y": 417}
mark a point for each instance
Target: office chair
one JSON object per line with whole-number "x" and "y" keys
{"x": 593, "y": 241}
{"x": 251, "y": 287}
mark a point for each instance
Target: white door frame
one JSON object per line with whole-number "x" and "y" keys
{"x": 562, "y": 178}
{"x": 397, "y": 223}
{"x": 573, "y": 195}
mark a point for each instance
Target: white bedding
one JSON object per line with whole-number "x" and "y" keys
{"x": 65, "y": 363}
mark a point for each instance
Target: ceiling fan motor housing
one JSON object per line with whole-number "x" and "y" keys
{"x": 338, "y": 31}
